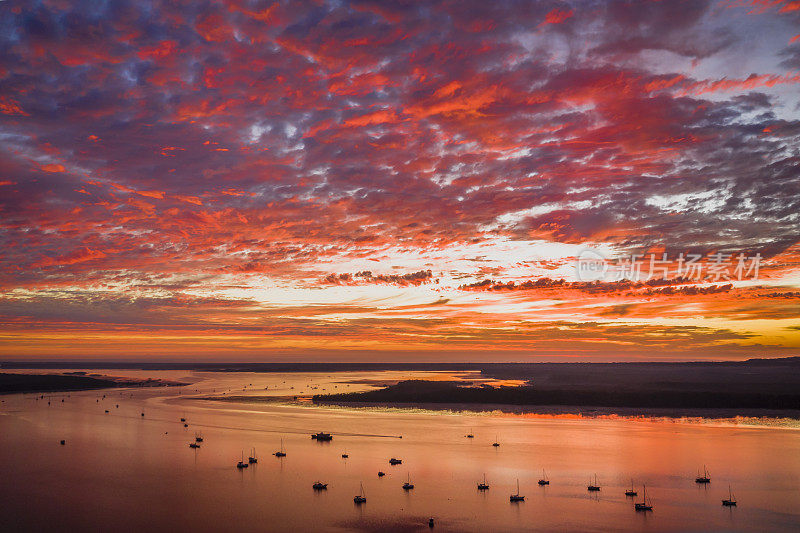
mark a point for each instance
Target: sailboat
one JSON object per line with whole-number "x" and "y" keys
{"x": 517, "y": 497}
{"x": 644, "y": 505}
{"x": 252, "y": 459}
{"x": 593, "y": 487}
{"x": 193, "y": 445}
{"x": 280, "y": 453}
{"x": 241, "y": 464}
{"x": 484, "y": 485}
{"x": 704, "y": 478}
{"x": 408, "y": 485}
{"x": 544, "y": 481}
{"x": 495, "y": 443}
{"x": 362, "y": 497}
{"x": 470, "y": 435}
{"x": 731, "y": 501}
{"x": 631, "y": 492}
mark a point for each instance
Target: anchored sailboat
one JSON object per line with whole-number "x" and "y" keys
{"x": 731, "y": 501}
{"x": 517, "y": 497}
{"x": 280, "y": 453}
{"x": 593, "y": 487}
{"x": 544, "y": 481}
{"x": 241, "y": 464}
{"x": 644, "y": 505}
{"x": 362, "y": 496}
{"x": 484, "y": 485}
{"x": 704, "y": 478}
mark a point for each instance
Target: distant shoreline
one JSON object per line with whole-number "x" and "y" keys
{"x": 529, "y": 398}
{"x": 45, "y": 383}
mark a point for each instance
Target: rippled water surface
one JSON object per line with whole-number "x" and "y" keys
{"x": 120, "y": 471}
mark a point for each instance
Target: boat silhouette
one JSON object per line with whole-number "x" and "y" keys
{"x": 705, "y": 478}
{"x": 361, "y": 497}
{"x": 241, "y": 464}
{"x": 731, "y": 501}
{"x": 544, "y": 481}
{"x": 280, "y": 453}
{"x": 517, "y": 497}
{"x": 644, "y": 505}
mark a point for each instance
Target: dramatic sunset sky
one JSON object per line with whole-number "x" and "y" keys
{"x": 376, "y": 181}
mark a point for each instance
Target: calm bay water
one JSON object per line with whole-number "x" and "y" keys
{"x": 124, "y": 472}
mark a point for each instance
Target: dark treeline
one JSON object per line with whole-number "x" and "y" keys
{"x": 421, "y": 392}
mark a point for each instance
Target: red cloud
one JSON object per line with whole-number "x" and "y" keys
{"x": 81, "y": 255}
{"x": 557, "y": 16}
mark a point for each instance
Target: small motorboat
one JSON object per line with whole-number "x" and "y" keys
{"x": 321, "y": 436}
{"x": 345, "y": 456}
{"x": 394, "y": 461}
{"x": 320, "y": 486}
{"x": 193, "y": 445}
{"x": 381, "y": 473}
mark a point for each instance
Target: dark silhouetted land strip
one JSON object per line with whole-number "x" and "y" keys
{"x": 13, "y": 383}
{"x": 68, "y": 381}
{"x": 432, "y": 392}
